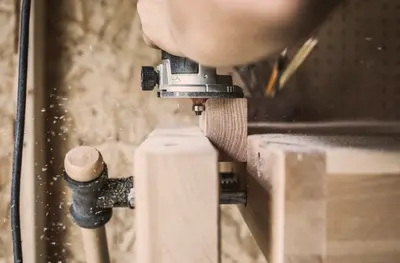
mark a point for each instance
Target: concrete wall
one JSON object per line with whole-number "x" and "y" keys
{"x": 94, "y": 52}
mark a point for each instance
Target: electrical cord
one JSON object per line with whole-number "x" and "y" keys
{"x": 19, "y": 131}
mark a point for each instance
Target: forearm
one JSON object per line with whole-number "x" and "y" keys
{"x": 226, "y": 33}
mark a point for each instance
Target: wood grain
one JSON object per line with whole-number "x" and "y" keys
{"x": 83, "y": 163}
{"x": 95, "y": 245}
{"x": 177, "y": 197}
{"x": 286, "y": 205}
{"x": 329, "y": 199}
{"x": 225, "y": 124}
{"x": 363, "y": 218}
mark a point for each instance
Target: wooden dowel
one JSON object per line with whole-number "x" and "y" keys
{"x": 84, "y": 164}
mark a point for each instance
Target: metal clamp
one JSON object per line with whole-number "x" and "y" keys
{"x": 84, "y": 209}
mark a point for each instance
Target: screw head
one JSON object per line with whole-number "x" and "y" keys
{"x": 149, "y": 78}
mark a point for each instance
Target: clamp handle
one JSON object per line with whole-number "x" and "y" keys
{"x": 84, "y": 173}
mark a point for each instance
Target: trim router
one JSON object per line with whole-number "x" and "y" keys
{"x": 180, "y": 77}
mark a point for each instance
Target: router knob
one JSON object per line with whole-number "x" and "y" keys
{"x": 149, "y": 78}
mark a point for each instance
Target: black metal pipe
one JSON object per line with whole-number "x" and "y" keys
{"x": 93, "y": 201}
{"x": 116, "y": 193}
{"x": 19, "y": 131}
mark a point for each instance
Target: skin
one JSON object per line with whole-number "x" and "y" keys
{"x": 224, "y": 33}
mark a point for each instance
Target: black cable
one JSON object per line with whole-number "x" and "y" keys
{"x": 19, "y": 131}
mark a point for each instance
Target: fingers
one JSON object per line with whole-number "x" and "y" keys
{"x": 154, "y": 18}
{"x": 148, "y": 41}
{"x": 149, "y": 20}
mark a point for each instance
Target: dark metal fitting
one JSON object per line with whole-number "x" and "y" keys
{"x": 198, "y": 109}
{"x": 233, "y": 198}
{"x": 84, "y": 209}
{"x": 117, "y": 192}
{"x": 93, "y": 201}
{"x": 231, "y": 190}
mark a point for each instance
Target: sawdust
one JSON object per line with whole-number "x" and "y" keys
{"x": 93, "y": 68}
{"x": 99, "y": 54}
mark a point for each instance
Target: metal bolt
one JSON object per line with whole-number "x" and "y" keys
{"x": 198, "y": 109}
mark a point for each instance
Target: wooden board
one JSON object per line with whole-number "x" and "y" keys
{"x": 225, "y": 124}
{"x": 324, "y": 199}
{"x": 85, "y": 164}
{"x": 286, "y": 205}
{"x": 363, "y": 219}
{"x": 177, "y": 197}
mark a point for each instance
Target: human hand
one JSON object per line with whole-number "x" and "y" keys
{"x": 222, "y": 33}
{"x": 154, "y": 18}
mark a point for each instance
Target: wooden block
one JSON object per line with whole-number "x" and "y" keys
{"x": 330, "y": 199}
{"x": 363, "y": 197}
{"x": 177, "y": 197}
{"x": 286, "y": 200}
{"x": 225, "y": 124}
{"x": 362, "y": 218}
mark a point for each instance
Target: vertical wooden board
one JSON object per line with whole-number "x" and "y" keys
{"x": 177, "y": 198}
{"x": 305, "y": 205}
{"x": 286, "y": 199}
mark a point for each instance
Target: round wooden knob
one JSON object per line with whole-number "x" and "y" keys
{"x": 83, "y": 163}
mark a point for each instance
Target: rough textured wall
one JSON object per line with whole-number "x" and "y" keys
{"x": 95, "y": 51}
{"x": 7, "y": 62}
